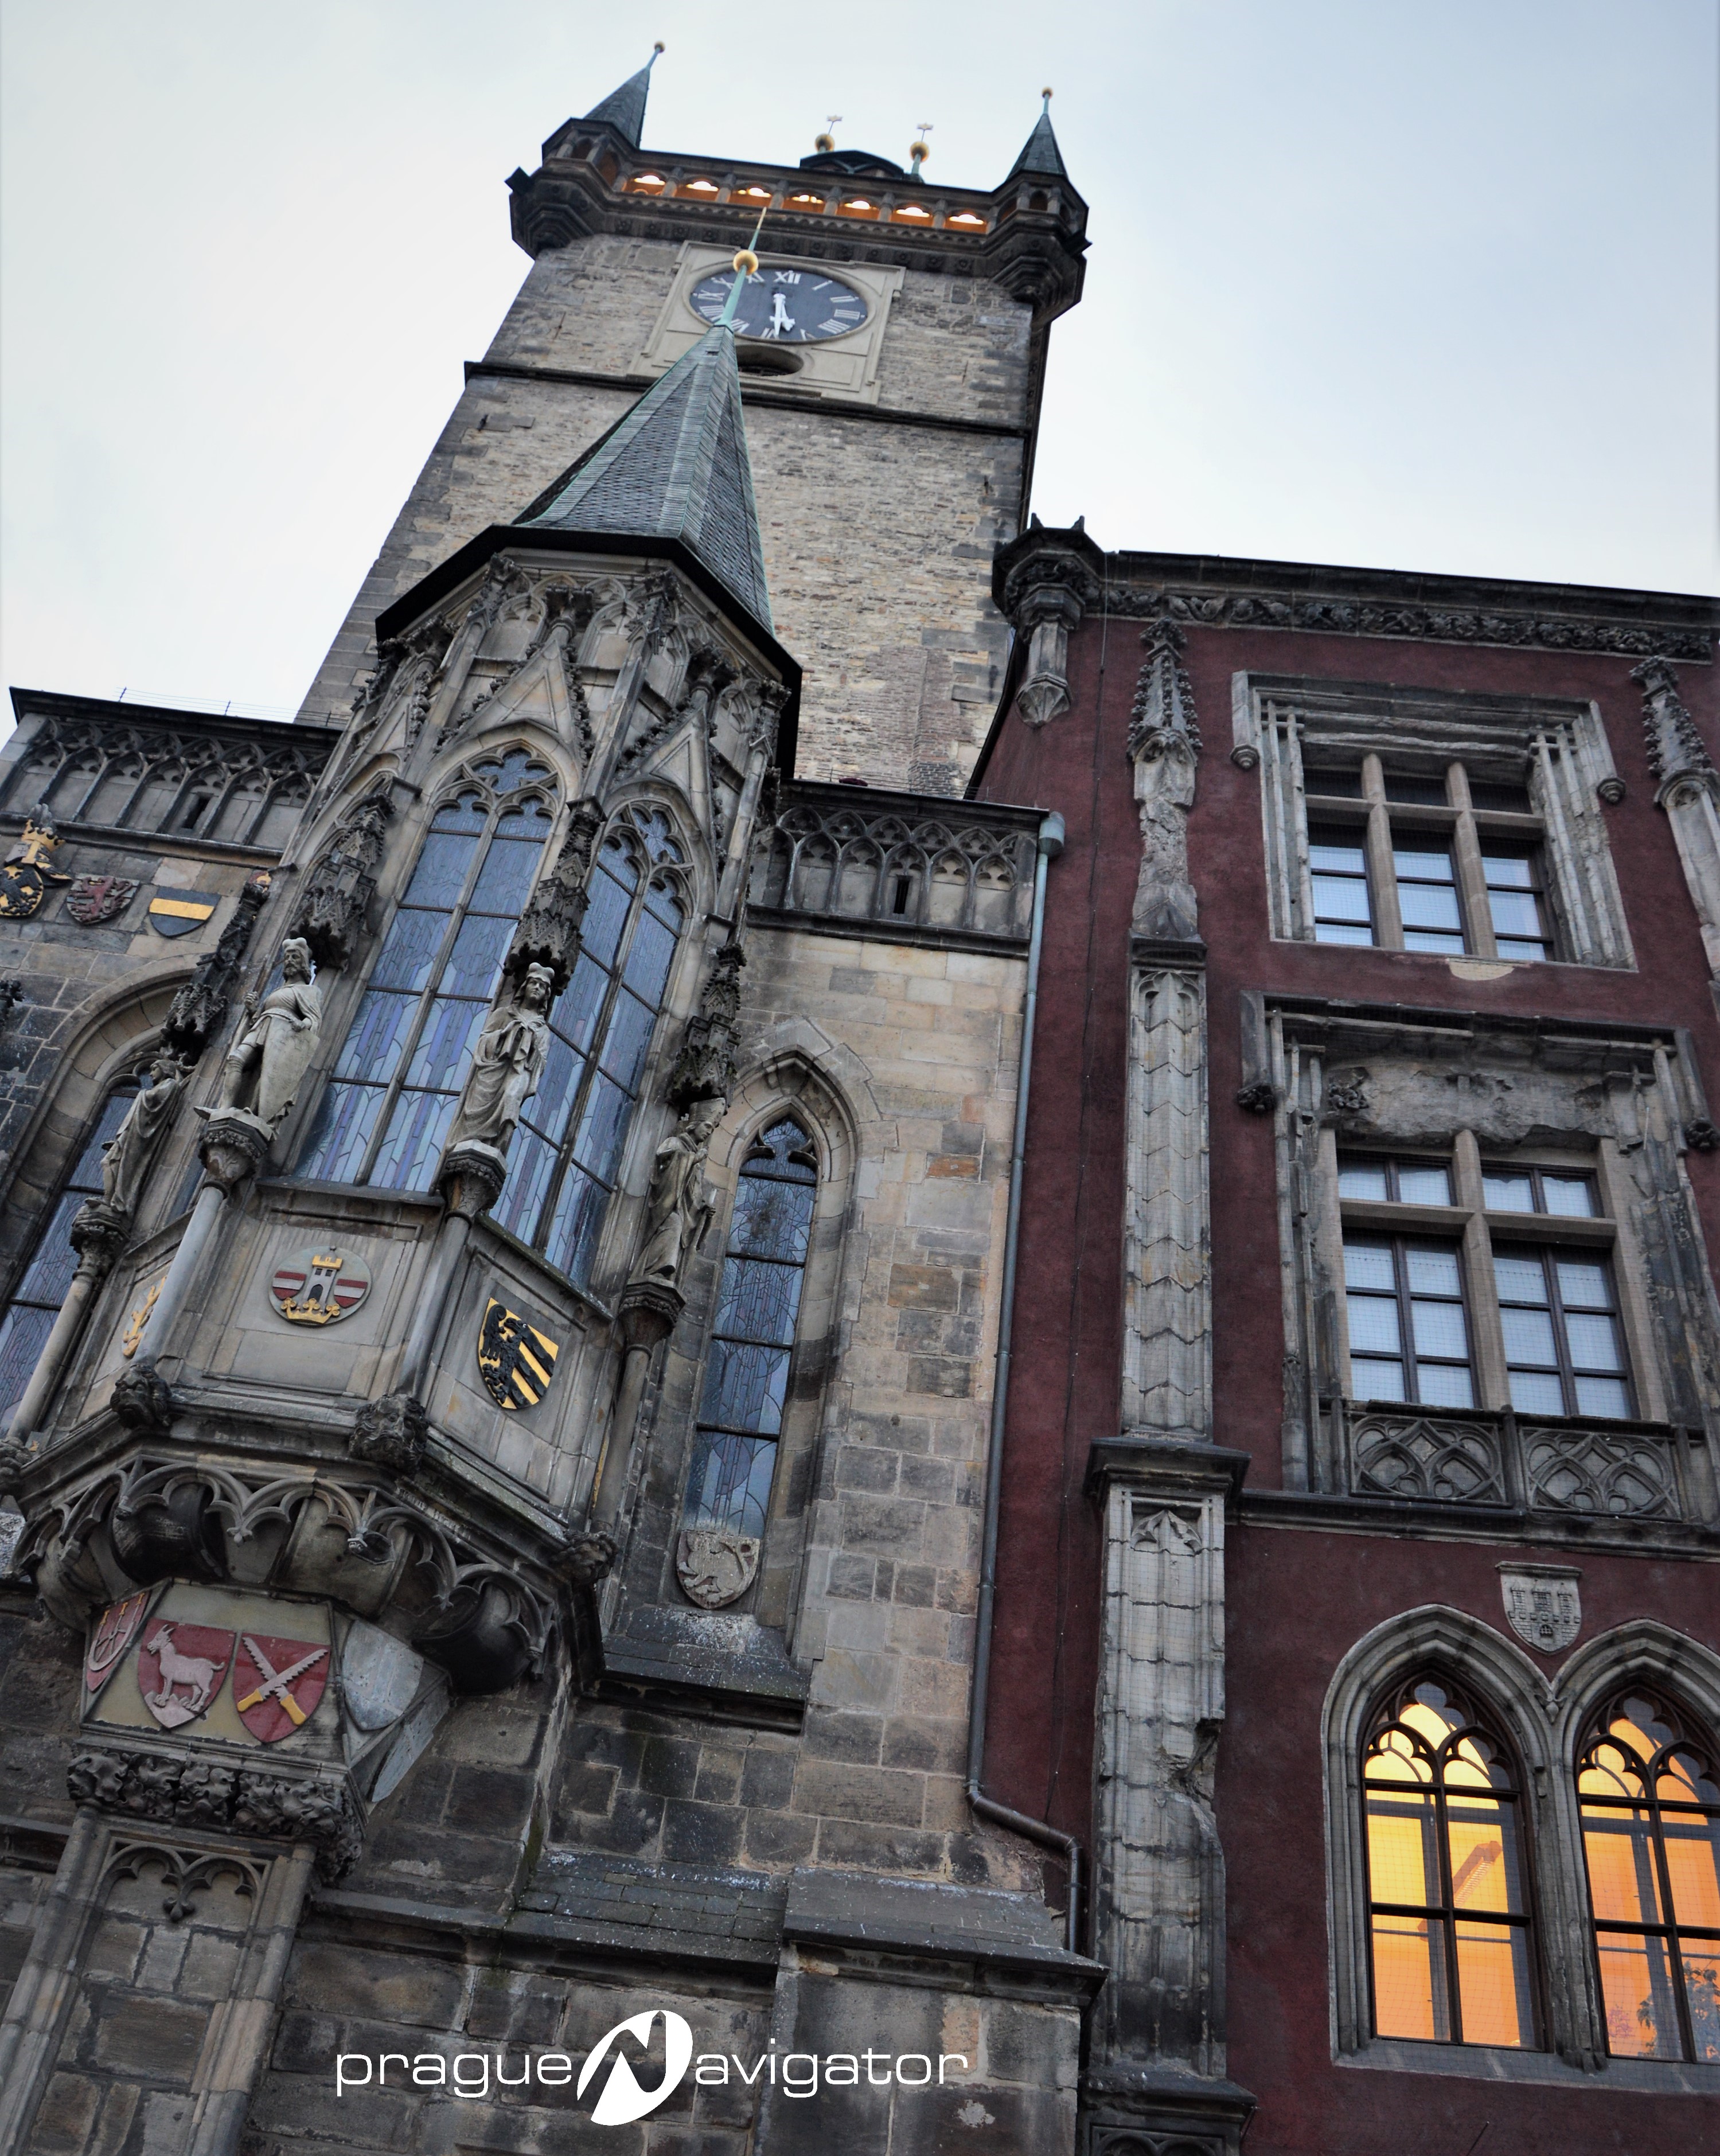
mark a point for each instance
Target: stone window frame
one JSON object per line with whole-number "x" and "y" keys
{"x": 1370, "y": 1075}
{"x": 1557, "y": 747}
{"x": 1544, "y": 1720}
{"x": 788, "y": 1084}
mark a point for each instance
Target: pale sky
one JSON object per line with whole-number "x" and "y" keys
{"x": 1416, "y": 288}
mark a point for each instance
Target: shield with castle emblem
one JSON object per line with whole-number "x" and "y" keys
{"x": 319, "y": 1287}
{"x": 1543, "y": 1604}
{"x": 515, "y": 1360}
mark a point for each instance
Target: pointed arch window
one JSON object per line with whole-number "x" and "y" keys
{"x": 1650, "y": 1794}
{"x": 1452, "y": 1955}
{"x": 758, "y": 1307}
{"x": 567, "y": 1152}
{"x": 385, "y": 1110}
{"x": 42, "y": 1288}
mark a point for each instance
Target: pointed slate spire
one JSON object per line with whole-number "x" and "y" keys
{"x": 624, "y": 109}
{"x": 1039, "y": 153}
{"x": 676, "y": 467}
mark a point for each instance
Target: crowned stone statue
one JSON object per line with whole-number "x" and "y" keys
{"x": 276, "y": 1042}
{"x": 678, "y": 1212}
{"x": 505, "y": 1066}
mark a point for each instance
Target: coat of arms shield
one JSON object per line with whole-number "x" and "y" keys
{"x": 515, "y": 1360}
{"x": 180, "y": 1668}
{"x": 319, "y": 1287}
{"x": 277, "y": 1683}
{"x": 115, "y": 1632}
{"x": 715, "y": 1565}
{"x": 93, "y": 899}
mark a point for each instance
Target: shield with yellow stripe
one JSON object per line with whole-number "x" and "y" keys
{"x": 515, "y": 1360}
{"x": 178, "y": 913}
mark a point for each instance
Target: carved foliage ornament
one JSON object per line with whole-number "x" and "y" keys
{"x": 157, "y": 1786}
{"x": 198, "y": 1010}
{"x": 335, "y": 900}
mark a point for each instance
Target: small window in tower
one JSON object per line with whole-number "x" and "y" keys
{"x": 967, "y": 221}
{"x": 703, "y": 190}
{"x": 646, "y": 184}
{"x": 751, "y": 194}
{"x": 911, "y": 213}
{"x": 806, "y": 202}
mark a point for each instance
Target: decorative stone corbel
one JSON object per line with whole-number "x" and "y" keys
{"x": 1164, "y": 746}
{"x": 1049, "y": 583}
{"x": 334, "y": 901}
{"x": 1689, "y": 791}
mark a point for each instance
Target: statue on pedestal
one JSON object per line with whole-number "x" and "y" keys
{"x": 505, "y": 1066}
{"x": 274, "y": 1044}
{"x": 678, "y": 1212}
{"x": 128, "y": 1151}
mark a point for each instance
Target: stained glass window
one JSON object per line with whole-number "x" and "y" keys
{"x": 758, "y": 1302}
{"x": 385, "y": 1112}
{"x": 1650, "y": 1792}
{"x": 567, "y": 1152}
{"x": 36, "y": 1300}
{"x": 1448, "y": 1896}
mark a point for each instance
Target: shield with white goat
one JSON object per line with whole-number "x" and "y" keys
{"x": 180, "y": 1669}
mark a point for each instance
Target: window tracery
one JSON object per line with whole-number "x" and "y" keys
{"x": 386, "y": 1110}
{"x": 567, "y": 1152}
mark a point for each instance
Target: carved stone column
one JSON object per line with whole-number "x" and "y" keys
{"x": 1689, "y": 793}
{"x": 1164, "y": 746}
{"x": 1050, "y": 578}
{"x": 1156, "y": 2060}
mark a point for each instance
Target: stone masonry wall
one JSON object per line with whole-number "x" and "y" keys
{"x": 878, "y": 537}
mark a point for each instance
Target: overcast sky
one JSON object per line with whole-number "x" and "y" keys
{"x": 1422, "y": 287}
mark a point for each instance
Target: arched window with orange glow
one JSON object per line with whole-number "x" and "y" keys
{"x": 1453, "y": 1958}
{"x": 1650, "y": 1792}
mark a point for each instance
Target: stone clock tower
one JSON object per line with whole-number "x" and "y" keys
{"x": 892, "y": 427}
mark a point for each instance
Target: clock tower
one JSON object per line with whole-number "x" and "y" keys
{"x": 892, "y": 348}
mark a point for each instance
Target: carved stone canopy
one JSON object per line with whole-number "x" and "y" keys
{"x": 334, "y": 901}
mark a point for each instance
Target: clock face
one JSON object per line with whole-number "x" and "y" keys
{"x": 788, "y": 306}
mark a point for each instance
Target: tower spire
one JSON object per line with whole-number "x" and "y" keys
{"x": 1039, "y": 153}
{"x": 676, "y": 466}
{"x": 624, "y": 109}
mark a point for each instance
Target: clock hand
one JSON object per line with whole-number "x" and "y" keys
{"x": 781, "y": 319}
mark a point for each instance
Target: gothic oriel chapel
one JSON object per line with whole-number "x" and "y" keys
{"x": 930, "y": 1309}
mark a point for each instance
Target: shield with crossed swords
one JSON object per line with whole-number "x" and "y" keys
{"x": 277, "y": 1684}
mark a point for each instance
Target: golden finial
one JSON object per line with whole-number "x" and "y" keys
{"x": 920, "y": 150}
{"x": 659, "y": 47}
{"x": 1046, "y": 94}
{"x": 827, "y": 141}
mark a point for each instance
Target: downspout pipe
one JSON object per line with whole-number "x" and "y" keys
{"x": 1049, "y": 846}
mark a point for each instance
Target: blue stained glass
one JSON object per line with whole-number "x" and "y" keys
{"x": 23, "y": 1332}
{"x": 474, "y": 963}
{"x": 759, "y": 1301}
{"x": 606, "y": 914}
{"x": 746, "y": 1386}
{"x": 440, "y": 875}
{"x": 378, "y": 1034}
{"x": 579, "y": 1004}
{"x": 602, "y": 1125}
{"x": 50, "y": 1270}
{"x": 628, "y": 1040}
{"x": 345, "y": 1116}
{"x": 504, "y": 880}
{"x": 648, "y": 962}
{"x": 532, "y": 1164}
{"x": 444, "y": 1046}
{"x": 772, "y": 1219}
{"x": 729, "y": 1483}
{"x": 408, "y": 1157}
{"x": 664, "y": 900}
{"x": 467, "y": 813}
{"x": 407, "y": 956}
{"x": 573, "y": 1232}
{"x": 548, "y": 1109}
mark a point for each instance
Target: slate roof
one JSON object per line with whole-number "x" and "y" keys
{"x": 624, "y": 109}
{"x": 1039, "y": 153}
{"x": 676, "y": 467}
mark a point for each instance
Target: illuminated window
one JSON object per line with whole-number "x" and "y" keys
{"x": 1563, "y": 1342}
{"x": 1448, "y": 1902}
{"x": 806, "y": 202}
{"x": 1409, "y": 1333}
{"x": 1650, "y": 1804}
{"x": 758, "y": 1303}
{"x": 385, "y": 1112}
{"x": 647, "y": 184}
{"x": 700, "y": 190}
{"x": 567, "y": 1151}
{"x": 41, "y": 1290}
{"x": 911, "y": 213}
{"x": 857, "y": 206}
{"x": 966, "y": 220}
{"x": 751, "y": 194}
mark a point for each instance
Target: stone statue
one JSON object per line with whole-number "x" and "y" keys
{"x": 505, "y": 1066}
{"x": 678, "y": 1212}
{"x": 128, "y": 1151}
{"x": 276, "y": 1042}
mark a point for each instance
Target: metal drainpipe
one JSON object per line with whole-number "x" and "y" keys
{"x": 1050, "y": 845}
